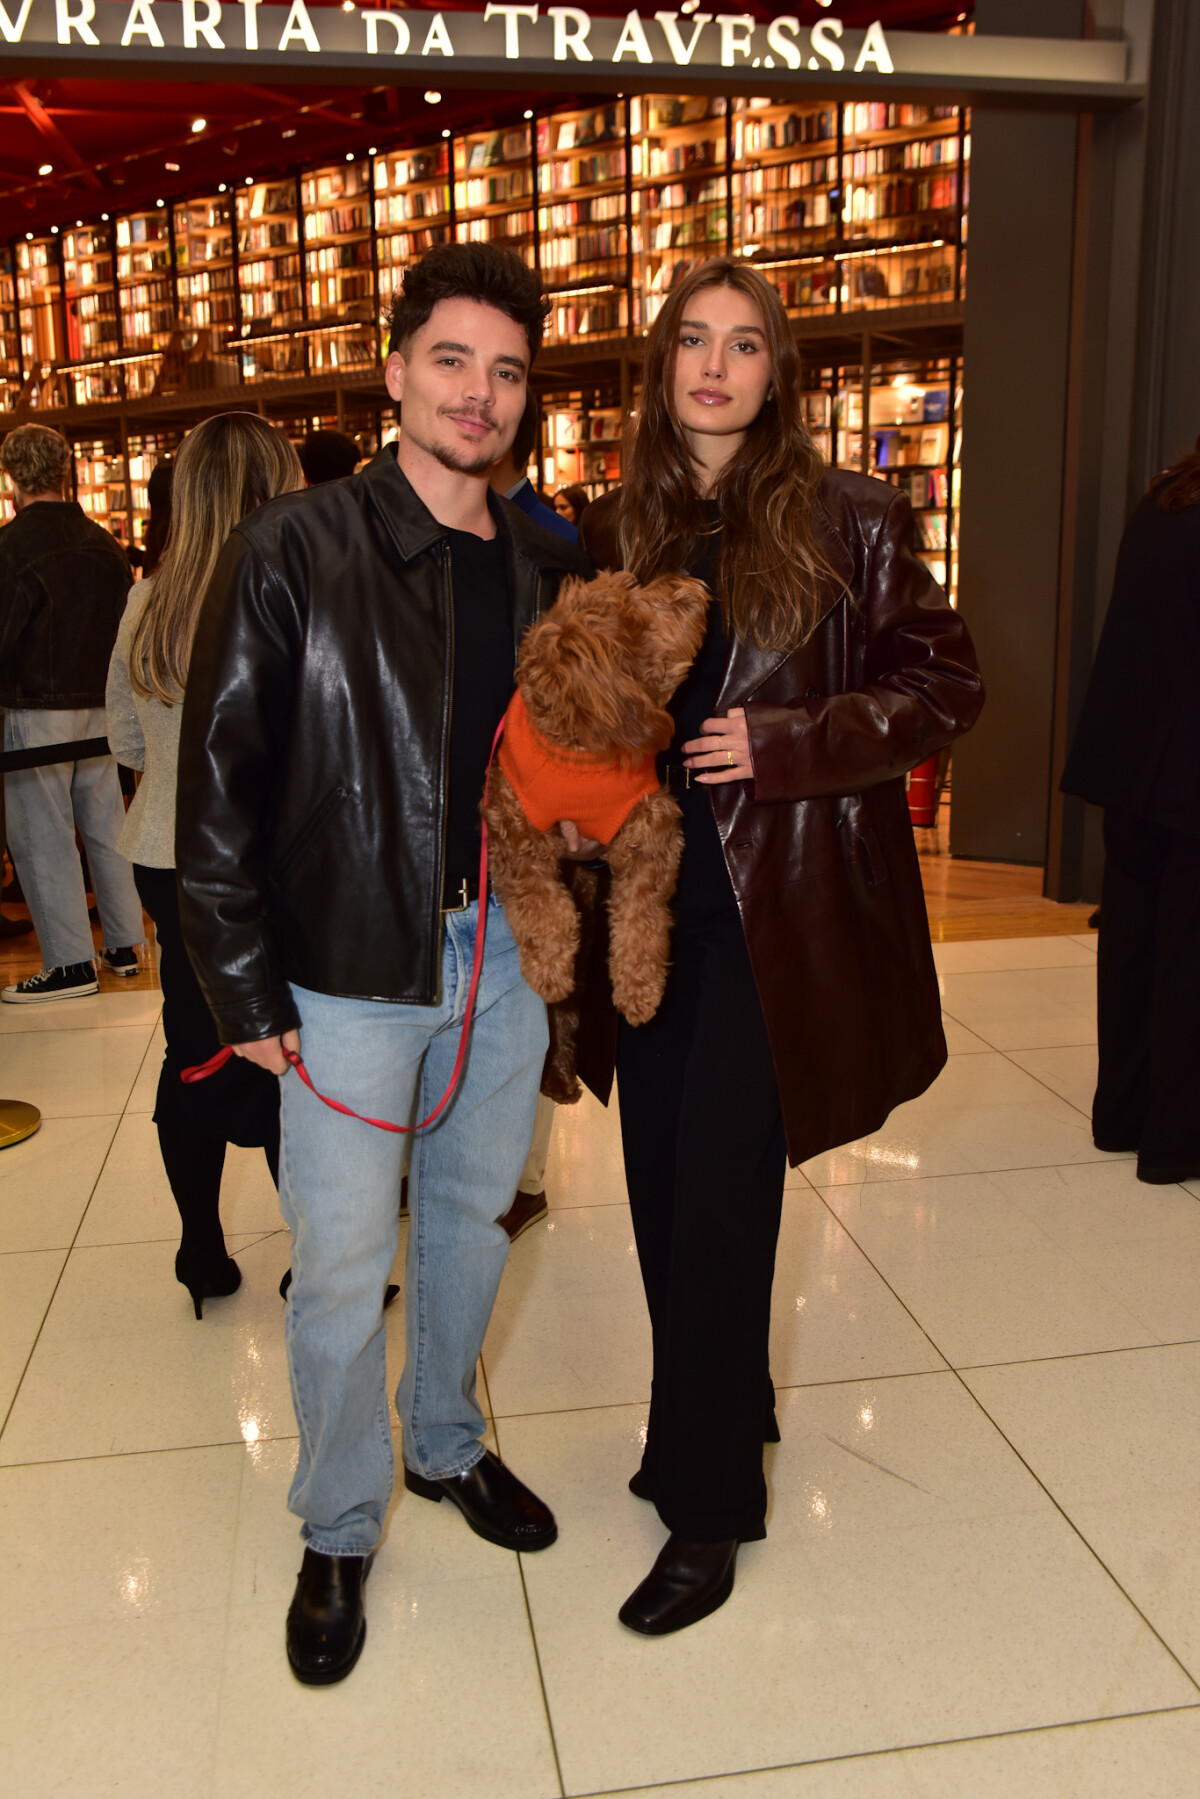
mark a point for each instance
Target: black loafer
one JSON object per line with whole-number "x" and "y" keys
{"x": 686, "y": 1583}
{"x": 326, "y": 1627}
{"x": 496, "y": 1505}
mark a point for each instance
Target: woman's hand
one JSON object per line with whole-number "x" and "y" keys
{"x": 723, "y": 753}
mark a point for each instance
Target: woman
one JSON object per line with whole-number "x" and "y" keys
{"x": 225, "y": 468}
{"x": 1137, "y": 754}
{"x": 803, "y": 1002}
{"x": 570, "y": 503}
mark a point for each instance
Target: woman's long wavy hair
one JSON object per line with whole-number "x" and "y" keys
{"x": 225, "y": 468}
{"x": 771, "y": 565}
{"x": 1180, "y": 486}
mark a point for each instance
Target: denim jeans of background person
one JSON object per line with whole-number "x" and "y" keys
{"x": 354, "y": 654}
{"x": 63, "y": 583}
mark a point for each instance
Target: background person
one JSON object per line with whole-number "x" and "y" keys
{"x": 1137, "y": 754}
{"x": 802, "y": 1003}
{"x": 225, "y": 468}
{"x": 328, "y": 456}
{"x": 63, "y": 583}
{"x": 571, "y": 503}
{"x": 509, "y": 476}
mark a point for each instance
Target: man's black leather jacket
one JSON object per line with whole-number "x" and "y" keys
{"x": 63, "y": 582}
{"x": 316, "y": 730}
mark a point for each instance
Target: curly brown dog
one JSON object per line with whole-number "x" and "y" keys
{"x": 593, "y": 680}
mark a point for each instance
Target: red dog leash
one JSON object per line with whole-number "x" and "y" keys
{"x": 202, "y": 1070}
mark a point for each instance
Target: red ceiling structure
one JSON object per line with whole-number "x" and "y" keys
{"x": 114, "y": 145}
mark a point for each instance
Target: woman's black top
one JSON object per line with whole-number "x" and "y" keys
{"x": 704, "y": 884}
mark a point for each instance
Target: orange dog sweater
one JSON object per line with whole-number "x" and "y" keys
{"x": 553, "y": 783}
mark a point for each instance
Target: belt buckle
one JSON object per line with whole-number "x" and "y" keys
{"x": 464, "y": 899}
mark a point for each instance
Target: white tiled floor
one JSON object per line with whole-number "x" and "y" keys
{"x": 982, "y": 1576}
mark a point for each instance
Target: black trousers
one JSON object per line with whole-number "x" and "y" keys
{"x": 1148, "y": 1093}
{"x": 705, "y": 1158}
{"x": 240, "y": 1104}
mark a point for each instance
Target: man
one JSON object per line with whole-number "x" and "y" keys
{"x": 63, "y": 582}
{"x": 354, "y": 655}
{"x": 509, "y": 477}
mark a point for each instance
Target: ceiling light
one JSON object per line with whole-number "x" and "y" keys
{"x": 349, "y": 156}
{"x": 528, "y": 113}
{"x": 689, "y": 6}
{"x": 54, "y": 230}
{"x": 79, "y": 224}
{"x": 432, "y": 95}
{"x": 173, "y": 167}
{"x": 160, "y": 202}
{"x": 104, "y": 216}
{"x": 372, "y": 151}
{"x": 446, "y": 132}
{"x": 347, "y": 5}
{"x": 47, "y": 168}
{"x": 29, "y": 237}
{"x": 290, "y": 132}
{"x": 199, "y": 124}
{"x": 221, "y": 189}
{"x": 249, "y": 181}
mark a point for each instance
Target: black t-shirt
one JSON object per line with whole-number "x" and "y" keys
{"x": 484, "y": 660}
{"x": 704, "y": 884}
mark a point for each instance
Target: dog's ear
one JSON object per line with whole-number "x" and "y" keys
{"x": 676, "y": 609}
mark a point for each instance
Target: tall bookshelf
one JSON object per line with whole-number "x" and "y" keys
{"x": 339, "y": 266}
{"x": 583, "y": 233}
{"x": 10, "y": 335}
{"x": 271, "y": 303}
{"x": 494, "y": 191}
{"x": 206, "y": 265}
{"x": 681, "y": 209}
{"x": 39, "y": 301}
{"x": 101, "y": 487}
{"x": 413, "y": 211}
{"x": 90, "y": 292}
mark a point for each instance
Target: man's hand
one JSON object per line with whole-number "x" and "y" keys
{"x": 723, "y": 753}
{"x": 268, "y": 1052}
{"x": 579, "y": 849}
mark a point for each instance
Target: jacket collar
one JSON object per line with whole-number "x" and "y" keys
{"x": 413, "y": 527}
{"x": 748, "y": 666}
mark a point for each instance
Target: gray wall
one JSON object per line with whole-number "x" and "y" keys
{"x": 1015, "y": 354}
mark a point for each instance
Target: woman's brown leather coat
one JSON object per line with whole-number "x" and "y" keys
{"x": 819, "y": 846}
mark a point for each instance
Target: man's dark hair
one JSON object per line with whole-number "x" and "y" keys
{"x": 328, "y": 456}
{"x": 485, "y": 272}
{"x": 524, "y": 442}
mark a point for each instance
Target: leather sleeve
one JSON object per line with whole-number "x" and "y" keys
{"x": 236, "y": 720}
{"x": 922, "y": 687}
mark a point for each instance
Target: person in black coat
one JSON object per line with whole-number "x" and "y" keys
{"x": 1137, "y": 754}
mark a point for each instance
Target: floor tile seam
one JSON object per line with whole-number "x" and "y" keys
{"x": 230, "y": 1603}
{"x": 1078, "y": 1533}
{"x": 1010, "y": 1054}
{"x": 848, "y": 1380}
{"x": 1102, "y": 1159}
{"x": 537, "y": 1654}
{"x": 1076, "y": 1355}
{"x": 254, "y": 1239}
{"x": 864, "y": 1755}
{"x": 66, "y": 1258}
{"x": 121, "y": 1455}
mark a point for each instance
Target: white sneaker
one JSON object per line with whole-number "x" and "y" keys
{"x": 75, "y": 981}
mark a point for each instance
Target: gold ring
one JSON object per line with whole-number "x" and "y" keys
{"x": 729, "y": 753}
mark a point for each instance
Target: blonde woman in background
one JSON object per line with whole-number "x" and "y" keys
{"x": 226, "y": 467}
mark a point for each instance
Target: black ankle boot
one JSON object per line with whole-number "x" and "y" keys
{"x": 207, "y": 1277}
{"x": 686, "y": 1583}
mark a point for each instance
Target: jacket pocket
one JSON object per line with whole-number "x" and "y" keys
{"x": 307, "y": 834}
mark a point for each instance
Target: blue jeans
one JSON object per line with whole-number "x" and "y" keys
{"x": 340, "y": 1193}
{"x": 44, "y": 806}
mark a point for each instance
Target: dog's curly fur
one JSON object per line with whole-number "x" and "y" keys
{"x": 595, "y": 675}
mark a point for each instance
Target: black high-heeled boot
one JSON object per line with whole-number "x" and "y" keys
{"x": 206, "y": 1277}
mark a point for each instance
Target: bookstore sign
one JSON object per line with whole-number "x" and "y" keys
{"x": 555, "y": 47}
